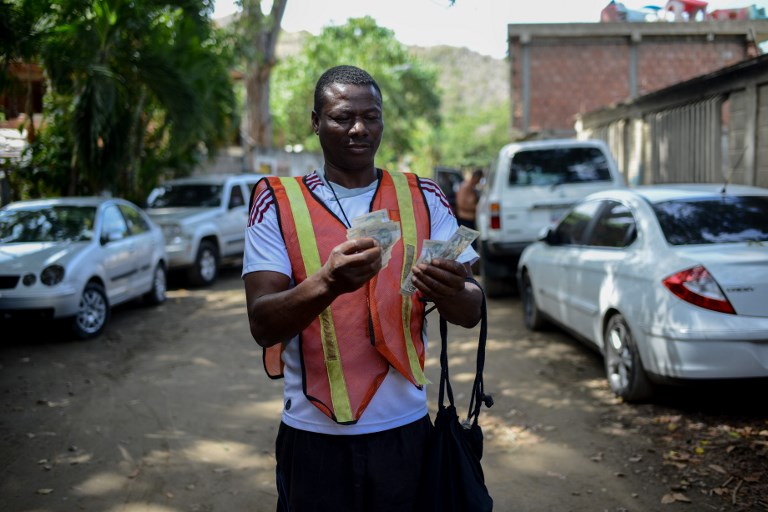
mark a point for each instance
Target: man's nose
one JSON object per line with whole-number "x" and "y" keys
{"x": 358, "y": 126}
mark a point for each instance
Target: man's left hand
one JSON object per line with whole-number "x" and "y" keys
{"x": 440, "y": 278}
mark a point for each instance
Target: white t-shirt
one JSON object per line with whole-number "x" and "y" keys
{"x": 397, "y": 402}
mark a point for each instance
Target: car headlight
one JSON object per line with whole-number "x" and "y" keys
{"x": 172, "y": 232}
{"x": 52, "y": 275}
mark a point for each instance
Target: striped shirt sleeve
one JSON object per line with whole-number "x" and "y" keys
{"x": 263, "y": 199}
{"x": 264, "y": 245}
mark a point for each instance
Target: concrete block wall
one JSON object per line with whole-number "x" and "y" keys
{"x": 558, "y": 71}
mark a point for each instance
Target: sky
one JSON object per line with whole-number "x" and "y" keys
{"x": 480, "y": 25}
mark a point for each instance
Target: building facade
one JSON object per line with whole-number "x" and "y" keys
{"x": 710, "y": 129}
{"x": 558, "y": 71}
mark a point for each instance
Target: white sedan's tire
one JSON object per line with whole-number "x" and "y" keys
{"x": 534, "y": 319}
{"x": 156, "y": 295}
{"x": 623, "y": 366}
{"x": 93, "y": 313}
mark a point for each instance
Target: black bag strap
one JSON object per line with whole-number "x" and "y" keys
{"x": 478, "y": 397}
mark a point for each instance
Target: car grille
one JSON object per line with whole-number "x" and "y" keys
{"x": 8, "y": 282}
{"x": 10, "y": 315}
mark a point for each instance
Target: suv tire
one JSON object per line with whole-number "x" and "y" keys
{"x": 491, "y": 276}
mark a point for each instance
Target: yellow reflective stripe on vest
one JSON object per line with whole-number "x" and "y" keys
{"x": 311, "y": 256}
{"x": 410, "y": 243}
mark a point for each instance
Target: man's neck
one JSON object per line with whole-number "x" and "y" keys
{"x": 350, "y": 179}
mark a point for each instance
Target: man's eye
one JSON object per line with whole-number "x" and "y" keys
{"x": 341, "y": 119}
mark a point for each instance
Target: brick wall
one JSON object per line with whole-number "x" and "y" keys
{"x": 661, "y": 64}
{"x": 567, "y": 79}
{"x": 569, "y": 75}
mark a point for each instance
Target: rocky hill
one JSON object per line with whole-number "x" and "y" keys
{"x": 468, "y": 79}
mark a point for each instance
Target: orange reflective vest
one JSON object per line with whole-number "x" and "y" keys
{"x": 346, "y": 352}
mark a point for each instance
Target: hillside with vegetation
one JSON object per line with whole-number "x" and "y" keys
{"x": 468, "y": 80}
{"x": 474, "y": 100}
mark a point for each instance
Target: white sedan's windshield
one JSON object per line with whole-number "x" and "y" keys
{"x": 49, "y": 224}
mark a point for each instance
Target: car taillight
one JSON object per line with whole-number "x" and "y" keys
{"x": 697, "y": 286}
{"x": 495, "y": 216}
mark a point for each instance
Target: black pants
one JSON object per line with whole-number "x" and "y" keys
{"x": 378, "y": 472}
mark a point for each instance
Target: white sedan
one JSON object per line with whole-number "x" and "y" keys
{"x": 668, "y": 282}
{"x": 74, "y": 258}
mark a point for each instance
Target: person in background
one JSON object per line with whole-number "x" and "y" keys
{"x": 331, "y": 318}
{"x": 466, "y": 199}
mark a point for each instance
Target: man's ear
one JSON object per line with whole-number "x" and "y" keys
{"x": 315, "y": 122}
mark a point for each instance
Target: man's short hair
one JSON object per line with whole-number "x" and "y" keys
{"x": 349, "y": 75}
{"x": 478, "y": 173}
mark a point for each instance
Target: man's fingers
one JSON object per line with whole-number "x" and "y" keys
{"x": 440, "y": 278}
{"x": 359, "y": 253}
{"x": 438, "y": 265}
{"x": 357, "y": 245}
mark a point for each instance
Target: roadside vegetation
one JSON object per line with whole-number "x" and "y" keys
{"x": 132, "y": 89}
{"x": 144, "y": 91}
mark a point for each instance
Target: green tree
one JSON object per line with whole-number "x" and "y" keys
{"x": 136, "y": 89}
{"x": 411, "y": 100}
{"x": 470, "y": 139}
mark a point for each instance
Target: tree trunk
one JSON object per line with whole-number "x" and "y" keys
{"x": 259, "y": 115}
{"x": 259, "y": 40}
{"x": 136, "y": 145}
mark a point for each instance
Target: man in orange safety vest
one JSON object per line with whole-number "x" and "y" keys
{"x": 331, "y": 317}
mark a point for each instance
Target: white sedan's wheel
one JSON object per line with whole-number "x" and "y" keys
{"x": 93, "y": 312}
{"x": 623, "y": 366}
{"x": 531, "y": 314}
{"x": 156, "y": 295}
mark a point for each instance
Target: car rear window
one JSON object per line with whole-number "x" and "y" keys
{"x": 714, "y": 220}
{"x": 554, "y": 166}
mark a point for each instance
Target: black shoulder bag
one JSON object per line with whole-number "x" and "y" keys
{"x": 453, "y": 477}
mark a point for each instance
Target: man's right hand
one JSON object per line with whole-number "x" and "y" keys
{"x": 351, "y": 264}
{"x": 277, "y": 312}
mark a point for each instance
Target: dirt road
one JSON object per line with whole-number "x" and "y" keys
{"x": 170, "y": 411}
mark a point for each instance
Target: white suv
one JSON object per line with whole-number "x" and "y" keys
{"x": 204, "y": 220}
{"x": 530, "y": 186}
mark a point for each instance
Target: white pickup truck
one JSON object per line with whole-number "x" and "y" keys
{"x": 203, "y": 219}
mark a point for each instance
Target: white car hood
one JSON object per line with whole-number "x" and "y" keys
{"x": 180, "y": 215}
{"x": 741, "y": 270}
{"x": 35, "y": 256}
